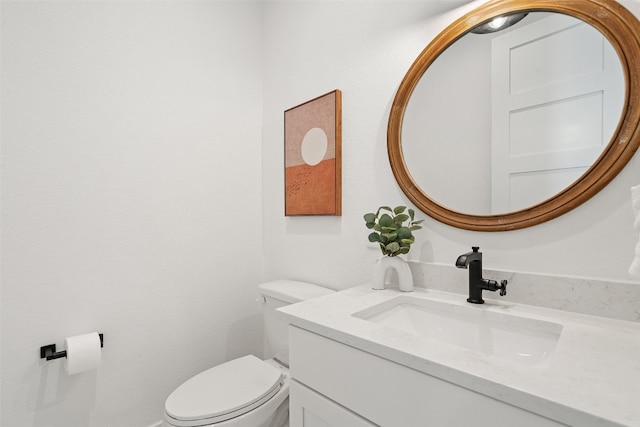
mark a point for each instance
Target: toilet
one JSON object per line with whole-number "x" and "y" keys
{"x": 247, "y": 391}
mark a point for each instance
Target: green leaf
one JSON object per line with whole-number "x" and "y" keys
{"x": 374, "y": 237}
{"x": 369, "y": 218}
{"x": 420, "y": 221}
{"x": 390, "y": 236}
{"x": 393, "y": 247}
{"x": 385, "y": 220}
{"x": 412, "y": 213}
{"x": 399, "y": 209}
{"x": 401, "y": 218}
{"x": 383, "y": 249}
{"x": 404, "y": 233}
{"x": 415, "y": 227}
{"x": 404, "y": 250}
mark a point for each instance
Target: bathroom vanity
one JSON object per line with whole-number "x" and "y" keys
{"x": 364, "y": 357}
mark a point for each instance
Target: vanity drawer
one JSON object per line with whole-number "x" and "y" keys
{"x": 393, "y": 395}
{"x": 311, "y": 409}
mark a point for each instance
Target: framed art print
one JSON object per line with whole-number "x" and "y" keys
{"x": 313, "y": 161}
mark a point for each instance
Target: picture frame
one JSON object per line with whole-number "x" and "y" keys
{"x": 313, "y": 156}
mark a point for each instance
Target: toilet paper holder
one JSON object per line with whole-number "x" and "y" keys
{"x": 49, "y": 351}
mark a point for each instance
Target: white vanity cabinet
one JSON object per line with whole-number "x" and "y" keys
{"x": 338, "y": 385}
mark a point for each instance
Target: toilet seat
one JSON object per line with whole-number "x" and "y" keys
{"x": 223, "y": 392}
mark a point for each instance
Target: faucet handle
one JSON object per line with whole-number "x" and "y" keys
{"x": 503, "y": 288}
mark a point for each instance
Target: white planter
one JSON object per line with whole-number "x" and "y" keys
{"x": 383, "y": 269}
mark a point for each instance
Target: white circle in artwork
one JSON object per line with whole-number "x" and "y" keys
{"x": 314, "y": 146}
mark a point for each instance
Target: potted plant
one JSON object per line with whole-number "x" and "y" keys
{"x": 390, "y": 231}
{"x": 393, "y": 231}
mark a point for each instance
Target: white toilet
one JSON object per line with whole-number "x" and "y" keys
{"x": 245, "y": 392}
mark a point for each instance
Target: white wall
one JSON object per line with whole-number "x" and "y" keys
{"x": 364, "y": 49}
{"x": 131, "y": 161}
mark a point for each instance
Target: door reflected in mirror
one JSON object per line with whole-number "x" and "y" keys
{"x": 500, "y": 122}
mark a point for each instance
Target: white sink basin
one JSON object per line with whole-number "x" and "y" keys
{"x": 472, "y": 327}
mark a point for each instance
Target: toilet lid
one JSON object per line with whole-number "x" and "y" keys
{"x": 224, "y": 392}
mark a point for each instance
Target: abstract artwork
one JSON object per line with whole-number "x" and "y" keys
{"x": 312, "y": 151}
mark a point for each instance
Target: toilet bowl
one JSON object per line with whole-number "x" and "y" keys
{"x": 247, "y": 391}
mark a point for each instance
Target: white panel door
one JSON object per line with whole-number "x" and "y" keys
{"x": 557, "y": 96}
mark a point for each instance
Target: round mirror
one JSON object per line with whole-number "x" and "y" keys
{"x": 496, "y": 129}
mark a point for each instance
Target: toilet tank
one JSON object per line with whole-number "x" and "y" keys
{"x": 278, "y": 294}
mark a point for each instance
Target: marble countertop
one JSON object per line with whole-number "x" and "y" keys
{"x": 591, "y": 379}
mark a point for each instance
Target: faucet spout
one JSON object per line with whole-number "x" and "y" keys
{"x": 473, "y": 262}
{"x": 464, "y": 260}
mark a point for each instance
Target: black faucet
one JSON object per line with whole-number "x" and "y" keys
{"x": 473, "y": 261}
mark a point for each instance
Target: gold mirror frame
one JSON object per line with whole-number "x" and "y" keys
{"x": 618, "y": 25}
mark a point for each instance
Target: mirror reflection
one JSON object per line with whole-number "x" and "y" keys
{"x": 504, "y": 120}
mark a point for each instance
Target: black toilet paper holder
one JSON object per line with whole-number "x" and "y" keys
{"x": 49, "y": 351}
